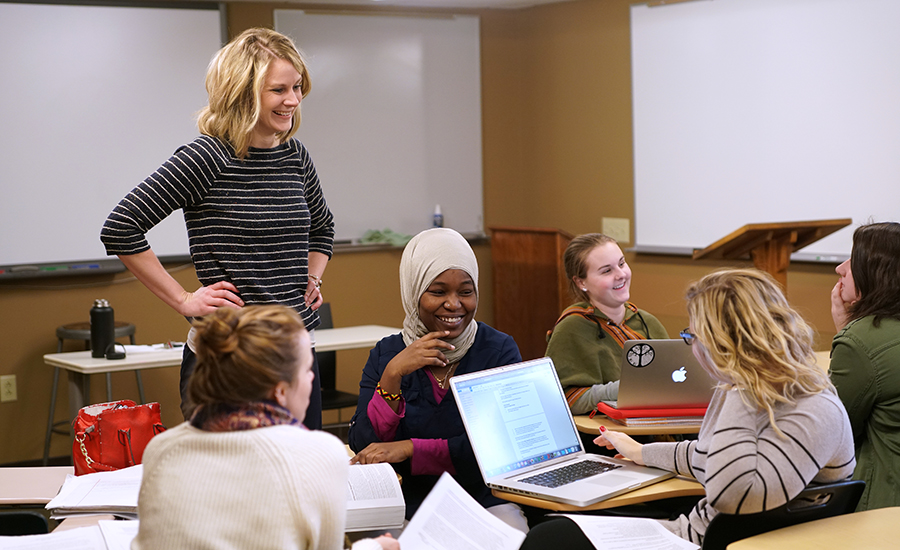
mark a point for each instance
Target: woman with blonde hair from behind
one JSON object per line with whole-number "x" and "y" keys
{"x": 244, "y": 472}
{"x": 775, "y": 423}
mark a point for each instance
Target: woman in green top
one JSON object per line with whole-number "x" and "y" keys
{"x": 586, "y": 343}
{"x": 865, "y": 357}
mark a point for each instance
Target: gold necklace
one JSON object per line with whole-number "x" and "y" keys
{"x": 442, "y": 381}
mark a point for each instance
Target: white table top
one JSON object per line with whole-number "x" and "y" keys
{"x": 81, "y": 361}
{"x": 363, "y": 336}
{"x": 31, "y": 485}
{"x": 331, "y": 339}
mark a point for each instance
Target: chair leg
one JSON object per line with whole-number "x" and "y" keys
{"x": 137, "y": 376}
{"x": 140, "y": 385}
{"x": 50, "y": 417}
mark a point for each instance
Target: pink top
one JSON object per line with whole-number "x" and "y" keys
{"x": 430, "y": 456}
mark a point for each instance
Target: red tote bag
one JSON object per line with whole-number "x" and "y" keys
{"x": 109, "y": 436}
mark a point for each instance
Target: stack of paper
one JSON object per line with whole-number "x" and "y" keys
{"x": 374, "y": 498}
{"x": 113, "y": 492}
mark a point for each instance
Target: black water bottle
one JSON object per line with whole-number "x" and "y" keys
{"x": 103, "y": 328}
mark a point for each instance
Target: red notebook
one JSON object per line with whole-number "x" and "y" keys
{"x": 621, "y": 414}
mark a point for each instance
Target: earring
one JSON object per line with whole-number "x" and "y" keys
{"x": 584, "y": 289}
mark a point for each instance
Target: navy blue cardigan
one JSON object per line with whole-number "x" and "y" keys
{"x": 427, "y": 419}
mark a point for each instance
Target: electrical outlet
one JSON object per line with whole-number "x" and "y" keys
{"x": 8, "y": 388}
{"x": 617, "y": 228}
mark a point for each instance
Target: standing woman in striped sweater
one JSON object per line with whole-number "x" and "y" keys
{"x": 258, "y": 226}
{"x": 775, "y": 423}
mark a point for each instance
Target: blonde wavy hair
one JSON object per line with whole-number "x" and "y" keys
{"x": 243, "y": 353}
{"x": 750, "y": 336}
{"x": 234, "y": 83}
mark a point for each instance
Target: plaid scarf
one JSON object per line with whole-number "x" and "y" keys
{"x": 222, "y": 417}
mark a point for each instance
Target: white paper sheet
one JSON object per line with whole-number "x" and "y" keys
{"x": 450, "y": 519}
{"x": 614, "y": 533}
{"x": 118, "y": 534}
{"x": 83, "y": 538}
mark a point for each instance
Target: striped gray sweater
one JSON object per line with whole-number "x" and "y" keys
{"x": 250, "y": 222}
{"x": 746, "y": 467}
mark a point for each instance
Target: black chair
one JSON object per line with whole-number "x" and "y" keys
{"x": 332, "y": 398}
{"x": 23, "y": 522}
{"x": 818, "y": 502}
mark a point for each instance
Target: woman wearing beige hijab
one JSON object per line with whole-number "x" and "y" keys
{"x": 406, "y": 414}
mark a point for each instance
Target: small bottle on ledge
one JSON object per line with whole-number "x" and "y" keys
{"x": 438, "y": 217}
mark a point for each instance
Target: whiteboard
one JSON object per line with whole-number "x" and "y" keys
{"x": 751, "y": 111}
{"x": 94, "y": 99}
{"x": 393, "y": 121}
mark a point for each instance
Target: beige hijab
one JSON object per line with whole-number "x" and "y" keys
{"x": 426, "y": 256}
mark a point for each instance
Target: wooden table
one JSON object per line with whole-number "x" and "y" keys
{"x": 670, "y": 488}
{"x": 36, "y": 486}
{"x": 872, "y": 530}
{"x": 81, "y": 365}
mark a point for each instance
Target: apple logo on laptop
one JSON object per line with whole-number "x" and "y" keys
{"x": 679, "y": 375}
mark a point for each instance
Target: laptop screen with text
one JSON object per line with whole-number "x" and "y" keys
{"x": 517, "y": 417}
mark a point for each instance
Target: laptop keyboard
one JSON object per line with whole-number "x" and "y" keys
{"x": 568, "y": 474}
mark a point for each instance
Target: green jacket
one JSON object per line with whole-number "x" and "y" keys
{"x": 865, "y": 368}
{"x": 583, "y": 359}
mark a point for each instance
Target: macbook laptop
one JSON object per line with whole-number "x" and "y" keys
{"x": 525, "y": 440}
{"x": 662, "y": 374}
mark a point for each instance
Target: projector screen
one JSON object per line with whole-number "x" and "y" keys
{"x": 94, "y": 99}
{"x": 752, "y": 111}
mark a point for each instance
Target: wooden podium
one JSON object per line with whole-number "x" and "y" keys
{"x": 770, "y": 245}
{"x": 530, "y": 287}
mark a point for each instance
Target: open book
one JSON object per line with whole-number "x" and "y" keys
{"x": 374, "y": 498}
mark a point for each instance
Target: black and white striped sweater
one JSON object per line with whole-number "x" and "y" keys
{"x": 251, "y": 222}
{"x": 746, "y": 467}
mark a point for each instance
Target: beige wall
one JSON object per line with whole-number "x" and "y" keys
{"x": 557, "y": 153}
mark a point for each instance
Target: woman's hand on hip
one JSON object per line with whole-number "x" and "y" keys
{"x": 207, "y": 299}
{"x": 313, "y": 296}
{"x": 384, "y": 451}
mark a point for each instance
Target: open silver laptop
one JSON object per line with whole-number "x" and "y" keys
{"x": 662, "y": 374}
{"x": 523, "y": 434}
